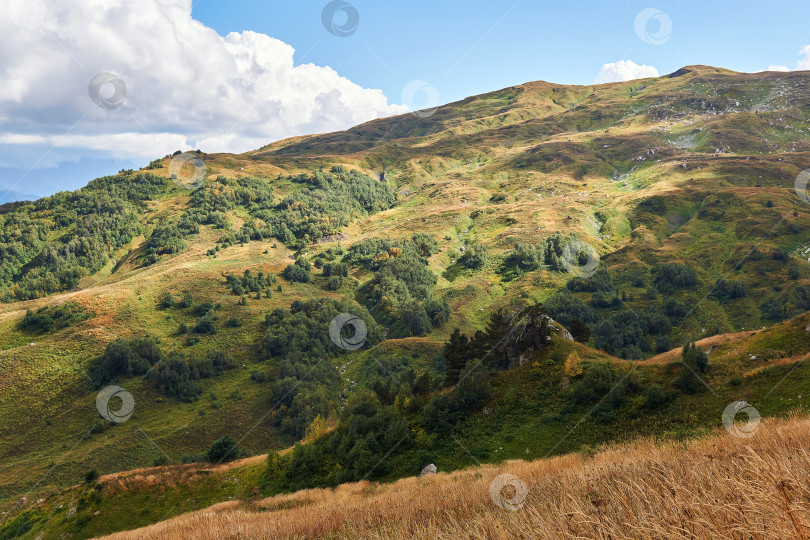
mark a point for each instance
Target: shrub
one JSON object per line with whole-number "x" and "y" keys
{"x": 299, "y": 272}
{"x": 579, "y": 331}
{"x": 174, "y": 377}
{"x": 793, "y": 272}
{"x": 222, "y": 450}
{"x": 206, "y": 325}
{"x": 51, "y": 318}
{"x": 603, "y": 386}
{"x": 655, "y": 397}
{"x": 729, "y": 290}
{"x": 414, "y": 319}
{"x": 91, "y": 476}
{"x": 672, "y": 275}
{"x": 475, "y": 256}
{"x": 693, "y": 362}
{"x": 126, "y": 358}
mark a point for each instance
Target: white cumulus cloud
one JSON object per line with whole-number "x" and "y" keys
{"x": 802, "y": 65}
{"x": 185, "y": 85}
{"x": 804, "y": 62}
{"x": 624, "y": 70}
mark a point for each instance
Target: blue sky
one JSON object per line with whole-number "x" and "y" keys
{"x": 232, "y": 76}
{"x": 466, "y": 48}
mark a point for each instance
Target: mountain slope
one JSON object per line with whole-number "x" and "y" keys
{"x": 683, "y": 184}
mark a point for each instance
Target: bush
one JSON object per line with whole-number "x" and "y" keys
{"x": 234, "y": 322}
{"x": 788, "y": 304}
{"x": 222, "y": 450}
{"x": 174, "y": 377}
{"x": 672, "y": 275}
{"x": 414, "y": 319}
{"x": 729, "y": 290}
{"x": 52, "y": 318}
{"x": 186, "y": 301}
{"x": 91, "y": 476}
{"x": 693, "y": 362}
{"x": 299, "y": 272}
{"x": 655, "y": 397}
{"x": 579, "y": 331}
{"x": 205, "y": 325}
{"x": 603, "y": 386}
{"x": 475, "y": 256}
{"x": 793, "y": 272}
{"x": 126, "y": 358}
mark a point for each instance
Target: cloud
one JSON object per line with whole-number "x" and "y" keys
{"x": 183, "y": 85}
{"x": 624, "y": 70}
{"x": 804, "y": 63}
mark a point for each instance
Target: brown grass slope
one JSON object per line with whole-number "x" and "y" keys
{"x": 718, "y": 487}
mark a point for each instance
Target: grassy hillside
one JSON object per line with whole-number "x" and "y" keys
{"x": 709, "y": 488}
{"x": 476, "y": 218}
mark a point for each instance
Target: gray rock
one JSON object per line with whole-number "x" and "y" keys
{"x": 428, "y": 470}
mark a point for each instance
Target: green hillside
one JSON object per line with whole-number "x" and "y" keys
{"x": 574, "y": 236}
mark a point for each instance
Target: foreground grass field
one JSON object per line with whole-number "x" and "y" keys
{"x": 720, "y": 486}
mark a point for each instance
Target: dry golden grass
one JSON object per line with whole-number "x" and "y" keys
{"x": 674, "y": 355}
{"x": 718, "y": 487}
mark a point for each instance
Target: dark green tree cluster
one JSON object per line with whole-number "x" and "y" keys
{"x": 546, "y": 254}
{"x": 299, "y": 271}
{"x": 167, "y": 238}
{"x": 53, "y": 318}
{"x": 250, "y": 283}
{"x": 401, "y": 290}
{"x": 564, "y": 307}
{"x": 669, "y": 276}
{"x": 622, "y": 331}
{"x": 470, "y": 394}
{"x": 729, "y": 290}
{"x": 788, "y": 303}
{"x": 694, "y": 362}
{"x": 180, "y": 376}
{"x": 468, "y": 361}
{"x": 172, "y": 375}
{"x": 474, "y": 256}
{"x": 305, "y": 383}
{"x": 373, "y": 432}
{"x": 371, "y": 253}
{"x": 604, "y": 389}
{"x": 631, "y": 333}
{"x": 324, "y": 203}
{"x": 367, "y": 433}
{"x": 124, "y": 358}
{"x": 49, "y": 245}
